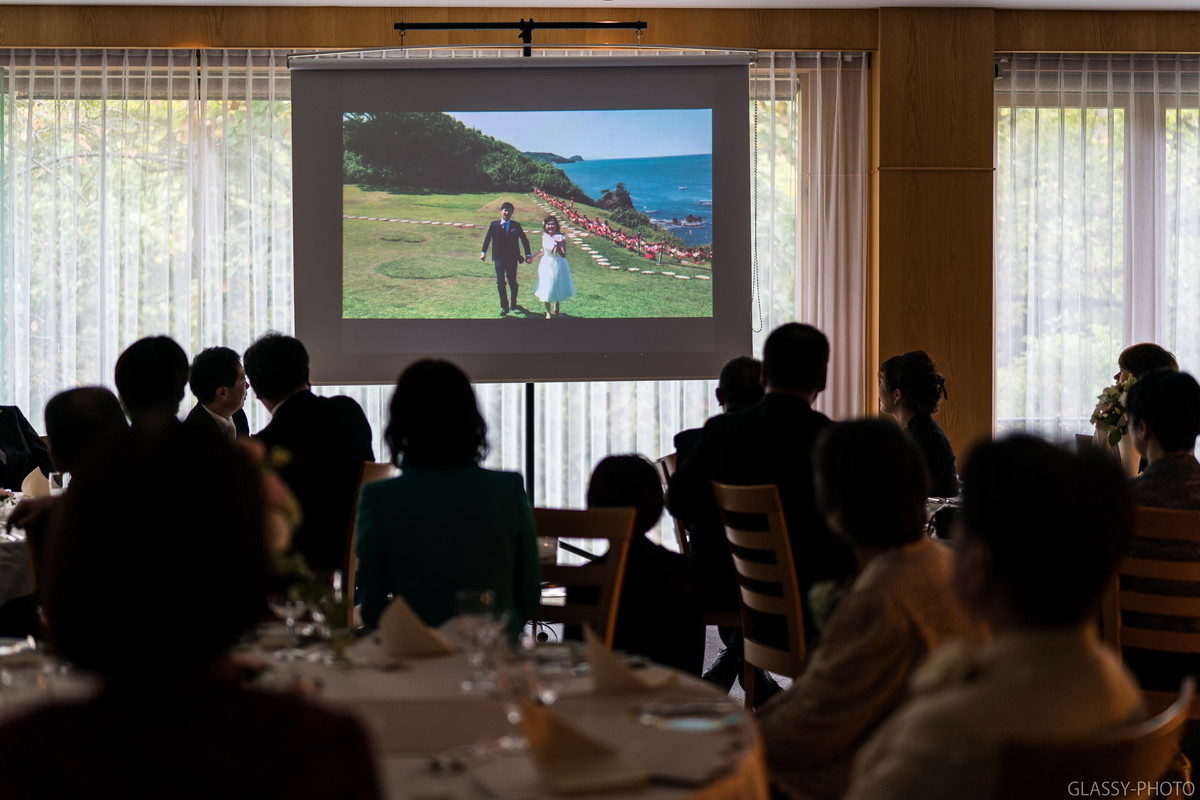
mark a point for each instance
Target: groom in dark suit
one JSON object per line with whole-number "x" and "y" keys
{"x": 504, "y": 235}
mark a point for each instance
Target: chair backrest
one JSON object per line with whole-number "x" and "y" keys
{"x": 606, "y": 575}
{"x": 762, "y": 555}
{"x": 1084, "y": 443}
{"x": 1142, "y": 618}
{"x": 666, "y": 468}
{"x": 1134, "y": 613}
{"x": 371, "y": 471}
{"x": 1133, "y": 755}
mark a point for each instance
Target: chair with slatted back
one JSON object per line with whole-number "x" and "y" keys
{"x": 1164, "y": 623}
{"x": 725, "y": 619}
{"x": 371, "y": 471}
{"x": 666, "y": 468}
{"x": 762, "y": 556}
{"x": 1135, "y": 755}
{"x": 606, "y": 575}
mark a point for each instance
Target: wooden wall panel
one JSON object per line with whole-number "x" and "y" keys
{"x": 932, "y": 237}
{"x": 1098, "y": 31}
{"x": 350, "y": 27}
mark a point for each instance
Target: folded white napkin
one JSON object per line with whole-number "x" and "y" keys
{"x": 570, "y": 761}
{"x": 611, "y": 675}
{"x": 35, "y": 484}
{"x": 404, "y": 634}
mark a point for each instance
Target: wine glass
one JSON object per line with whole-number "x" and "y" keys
{"x": 289, "y": 609}
{"x": 479, "y": 629}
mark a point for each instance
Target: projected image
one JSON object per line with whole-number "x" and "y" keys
{"x": 527, "y": 214}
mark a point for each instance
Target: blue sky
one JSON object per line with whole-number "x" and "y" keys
{"x": 599, "y": 134}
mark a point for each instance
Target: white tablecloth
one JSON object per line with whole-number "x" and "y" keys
{"x": 421, "y": 710}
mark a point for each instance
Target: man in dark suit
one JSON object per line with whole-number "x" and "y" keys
{"x": 738, "y": 387}
{"x": 507, "y": 238}
{"x": 323, "y": 442}
{"x": 772, "y": 442}
{"x": 219, "y": 383}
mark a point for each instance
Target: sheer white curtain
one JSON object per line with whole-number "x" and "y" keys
{"x": 148, "y": 192}
{"x": 809, "y": 112}
{"x": 1097, "y": 226}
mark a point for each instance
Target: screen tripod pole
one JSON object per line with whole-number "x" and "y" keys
{"x": 530, "y": 408}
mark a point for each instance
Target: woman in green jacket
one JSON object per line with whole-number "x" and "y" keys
{"x": 445, "y": 524}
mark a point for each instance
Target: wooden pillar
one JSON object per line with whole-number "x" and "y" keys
{"x": 932, "y": 175}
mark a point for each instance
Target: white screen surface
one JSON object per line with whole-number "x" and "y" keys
{"x": 400, "y": 174}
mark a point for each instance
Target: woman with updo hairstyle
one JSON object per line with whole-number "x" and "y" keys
{"x": 445, "y": 524}
{"x": 911, "y": 390}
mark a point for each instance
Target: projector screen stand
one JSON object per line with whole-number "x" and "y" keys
{"x": 526, "y": 27}
{"x": 530, "y": 419}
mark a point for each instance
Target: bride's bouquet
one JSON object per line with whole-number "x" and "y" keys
{"x": 1111, "y": 414}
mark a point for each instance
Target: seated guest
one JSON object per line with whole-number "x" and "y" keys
{"x": 324, "y": 442}
{"x": 170, "y": 720}
{"x": 771, "y": 442}
{"x": 738, "y": 387}
{"x": 910, "y": 391}
{"x": 219, "y": 383}
{"x": 78, "y": 422}
{"x": 657, "y": 615}
{"x": 151, "y": 375}
{"x": 1040, "y": 533}
{"x": 445, "y": 524}
{"x": 1135, "y": 361}
{"x": 871, "y": 488}
{"x": 21, "y": 449}
{"x": 1164, "y": 420}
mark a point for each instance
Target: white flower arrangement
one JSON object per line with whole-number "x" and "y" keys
{"x": 1111, "y": 413}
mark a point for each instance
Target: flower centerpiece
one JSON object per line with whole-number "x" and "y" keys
{"x": 1111, "y": 414}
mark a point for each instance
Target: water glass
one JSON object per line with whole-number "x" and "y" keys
{"x": 289, "y": 610}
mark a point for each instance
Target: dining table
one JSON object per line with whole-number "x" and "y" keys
{"x": 437, "y": 733}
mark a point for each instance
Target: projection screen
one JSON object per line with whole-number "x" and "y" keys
{"x": 529, "y": 219}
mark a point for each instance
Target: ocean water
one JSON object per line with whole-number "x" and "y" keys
{"x": 662, "y": 188}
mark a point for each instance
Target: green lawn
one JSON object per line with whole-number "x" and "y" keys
{"x": 398, "y": 270}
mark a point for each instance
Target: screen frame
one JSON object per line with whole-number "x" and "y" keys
{"x": 357, "y": 351}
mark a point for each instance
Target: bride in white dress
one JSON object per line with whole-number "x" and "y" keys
{"x": 554, "y": 273}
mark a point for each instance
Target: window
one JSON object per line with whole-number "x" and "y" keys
{"x": 1096, "y": 231}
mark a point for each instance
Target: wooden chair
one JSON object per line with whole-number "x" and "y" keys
{"x": 666, "y": 468}
{"x": 725, "y": 619}
{"x": 371, "y": 471}
{"x": 1085, "y": 443}
{"x": 1121, "y": 630}
{"x": 767, "y": 577}
{"x": 607, "y": 575}
{"x": 1133, "y": 755}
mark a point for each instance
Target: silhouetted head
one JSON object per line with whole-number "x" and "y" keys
{"x": 434, "y": 420}
{"x": 276, "y": 366}
{"x": 218, "y": 380}
{"x": 911, "y": 381}
{"x": 740, "y": 383}
{"x": 79, "y": 420}
{"x": 1165, "y": 405}
{"x": 628, "y": 481}
{"x": 186, "y": 559}
{"x": 151, "y": 375}
{"x": 1041, "y": 531}
{"x": 795, "y": 359}
{"x": 870, "y": 483}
